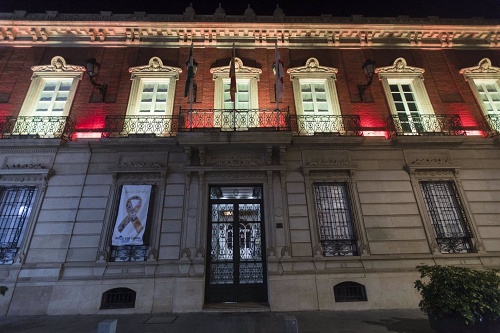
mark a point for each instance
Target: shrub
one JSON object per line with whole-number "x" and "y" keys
{"x": 469, "y": 295}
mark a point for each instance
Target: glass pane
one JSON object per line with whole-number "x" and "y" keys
{"x": 397, "y": 97}
{"x": 406, "y": 87}
{"x": 394, "y": 88}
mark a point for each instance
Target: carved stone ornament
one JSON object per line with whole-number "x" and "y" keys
{"x": 236, "y": 162}
{"x": 431, "y": 161}
{"x": 153, "y": 254}
{"x": 155, "y": 65}
{"x": 139, "y": 176}
{"x": 200, "y": 253}
{"x": 103, "y": 256}
{"x": 24, "y": 166}
{"x": 400, "y": 67}
{"x": 139, "y": 164}
{"x": 58, "y": 64}
{"x": 484, "y": 67}
{"x": 239, "y": 68}
{"x": 328, "y": 163}
{"x": 312, "y": 66}
{"x": 186, "y": 254}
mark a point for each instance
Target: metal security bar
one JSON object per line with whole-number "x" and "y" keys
{"x": 139, "y": 126}
{"x": 37, "y": 127}
{"x": 335, "y": 219}
{"x": 118, "y": 298}
{"x": 129, "y": 253}
{"x": 319, "y": 124}
{"x": 15, "y": 207}
{"x": 447, "y": 216}
{"x": 349, "y": 292}
{"x": 493, "y": 121}
{"x": 425, "y": 124}
{"x": 234, "y": 120}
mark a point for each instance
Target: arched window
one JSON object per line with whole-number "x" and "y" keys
{"x": 349, "y": 292}
{"x": 118, "y": 298}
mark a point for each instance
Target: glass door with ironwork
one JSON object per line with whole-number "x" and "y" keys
{"x": 236, "y": 269}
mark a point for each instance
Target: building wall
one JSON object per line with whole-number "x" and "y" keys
{"x": 64, "y": 269}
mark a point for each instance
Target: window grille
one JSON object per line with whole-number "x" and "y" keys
{"x": 349, "y": 292}
{"x": 447, "y": 216}
{"x": 118, "y": 298}
{"x": 335, "y": 219}
{"x": 134, "y": 252}
{"x": 15, "y": 208}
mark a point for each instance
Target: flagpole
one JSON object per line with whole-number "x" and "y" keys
{"x": 191, "y": 91}
{"x": 276, "y": 68}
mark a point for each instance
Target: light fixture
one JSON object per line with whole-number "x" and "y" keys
{"x": 92, "y": 67}
{"x": 369, "y": 68}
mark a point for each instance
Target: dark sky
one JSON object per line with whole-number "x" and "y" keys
{"x": 339, "y": 8}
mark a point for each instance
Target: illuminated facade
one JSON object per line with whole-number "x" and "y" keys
{"x": 121, "y": 196}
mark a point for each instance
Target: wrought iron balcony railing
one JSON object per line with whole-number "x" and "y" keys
{"x": 458, "y": 242}
{"x": 425, "y": 124}
{"x": 328, "y": 124}
{"x": 234, "y": 120}
{"x": 493, "y": 121}
{"x": 146, "y": 126}
{"x": 37, "y": 127}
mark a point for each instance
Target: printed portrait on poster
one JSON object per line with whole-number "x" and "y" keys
{"x": 132, "y": 215}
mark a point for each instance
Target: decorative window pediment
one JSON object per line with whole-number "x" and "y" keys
{"x": 312, "y": 67}
{"x": 155, "y": 65}
{"x": 483, "y": 69}
{"x": 399, "y": 67}
{"x": 240, "y": 69}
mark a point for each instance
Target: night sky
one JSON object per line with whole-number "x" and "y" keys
{"x": 339, "y": 8}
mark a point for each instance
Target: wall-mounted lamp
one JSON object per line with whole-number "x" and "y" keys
{"x": 369, "y": 68}
{"x": 195, "y": 86}
{"x": 92, "y": 67}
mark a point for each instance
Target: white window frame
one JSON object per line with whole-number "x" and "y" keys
{"x": 154, "y": 72}
{"x": 400, "y": 72}
{"x": 484, "y": 72}
{"x": 57, "y": 71}
{"x": 224, "y": 117}
{"x": 312, "y": 72}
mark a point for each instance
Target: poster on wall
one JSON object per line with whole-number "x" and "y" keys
{"x": 132, "y": 215}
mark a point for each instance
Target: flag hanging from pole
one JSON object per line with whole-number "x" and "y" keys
{"x": 232, "y": 76}
{"x": 190, "y": 74}
{"x": 279, "y": 74}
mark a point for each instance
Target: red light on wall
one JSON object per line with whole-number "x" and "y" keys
{"x": 87, "y": 135}
{"x": 376, "y": 133}
{"x": 475, "y": 133}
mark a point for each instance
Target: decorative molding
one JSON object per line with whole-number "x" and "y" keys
{"x": 140, "y": 164}
{"x": 24, "y": 166}
{"x": 236, "y": 175}
{"x": 155, "y": 65}
{"x": 186, "y": 254}
{"x": 329, "y": 163}
{"x": 399, "y": 67}
{"x": 200, "y": 253}
{"x": 312, "y": 66}
{"x": 235, "y": 162}
{"x": 431, "y": 162}
{"x": 326, "y": 174}
{"x": 153, "y": 254}
{"x": 139, "y": 176}
{"x": 239, "y": 68}
{"x": 58, "y": 64}
{"x": 483, "y": 67}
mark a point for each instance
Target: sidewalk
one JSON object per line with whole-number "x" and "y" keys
{"x": 399, "y": 321}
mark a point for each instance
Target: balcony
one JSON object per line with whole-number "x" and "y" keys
{"x": 36, "y": 127}
{"x": 493, "y": 121}
{"x": 139, "y": 126}
{"x": 425, "y": 124}
{"x": 327, "y": 125}
{"x": 234, "y": 120}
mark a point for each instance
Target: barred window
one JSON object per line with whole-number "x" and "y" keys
{"x": 118, "y": 298}
{"x": 16, "y": 203}
{"x": 349, "y": 292}
{"x": 447, "y": 216}
{"x": 335, "y": 219}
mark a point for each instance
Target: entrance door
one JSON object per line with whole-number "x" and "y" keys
{"x": 236, "y": 268}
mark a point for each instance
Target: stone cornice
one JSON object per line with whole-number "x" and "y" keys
{"x": 109, "y": 29}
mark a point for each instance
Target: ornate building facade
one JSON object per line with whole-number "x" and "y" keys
{"x": 124, "y": 191}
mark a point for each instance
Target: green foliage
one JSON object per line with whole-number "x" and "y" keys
{"x": 3, "y": 290}
{"x": 467, "y": 294}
